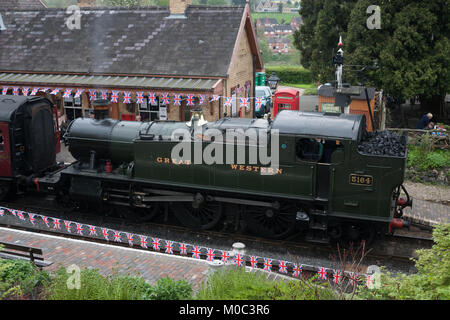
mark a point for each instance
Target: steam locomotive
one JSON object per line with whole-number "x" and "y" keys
{"x": 322, "y": 185}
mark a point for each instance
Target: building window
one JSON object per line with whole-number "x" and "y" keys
{"x": 149, "y": 111}
{"x": 73, "y": 108}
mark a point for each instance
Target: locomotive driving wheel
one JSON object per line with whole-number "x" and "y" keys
{"x": 198, "y": 214}
{"x": 270, "y": 222}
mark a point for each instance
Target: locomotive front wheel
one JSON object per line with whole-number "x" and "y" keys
{"x": 270, "y": 222}
{"x": 203, "y": 216}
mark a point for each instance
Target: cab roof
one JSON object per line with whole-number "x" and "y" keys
{"x": 315, "y": 124}
{"x": 9, "y": 104}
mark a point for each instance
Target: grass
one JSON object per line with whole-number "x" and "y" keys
{"x": 299, "y": 85}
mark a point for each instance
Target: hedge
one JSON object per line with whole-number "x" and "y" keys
{"x": 290, "y": 74}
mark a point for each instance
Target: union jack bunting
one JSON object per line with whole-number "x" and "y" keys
{"x": 20, "y": 215}
{"x": 91, "y": 94}
{"x": 282, "y": 267}
{"x": 254, "y": 261}
{"x": 140, "y": 97}
{"x": 297, "y": 270}
{"x": 79, "y": 228}
{"x": 196, "y": 252}
{"x": 228, "y": 101}
{"x": 183, "y": 249}
{"x": 258, "y": 103}
{"x": 238, "y": 260}
{"x": 127, "y": 97}
{"x": 143, "y": 242}
{"x": 25, "y": 91}
{"x": 268, "y": 264}
{"x": 15, "y": 91}
{"x": 201, "y": 98}
{"x": 117, "y": 236}
{"x": 225, "y": 256}
{"x": 67, "y": 93}
{"x": 210, "y": 254}
{"x": 31, "y": 217}
{"x": 156, "y": 244}
{"x": 2, "y": 212}
{"x": 215, "y": 98}
{"x": 105, "y": 234}
{"x": 243, "y": 102}
{"x": 177, "y": 99}
{"x": 45, "y": 219}
{"x": 13, "y": 212}
{"x": 322, "y": 273}
{"x": 5, "y": 91}
{"x": 78, "y": 93}
{"x": 165, "y": 98}
{"x": 55, "y": 91}
{"x": 130, "y": 239}
{"x": 104, "y": 94}
{"x": 369, "y": 281}
{"x": 115, "y": 96}
{"x": 169, "y": 247}
{"x": 34, "y": 91}
{"x": 190, "y": 99}
{"x": 67, "y": 224}
{"x": 353, "y": 278}
{"x": 56, "y": 223}
{"x": 152, "y": 97}
{"x": 337, "y": 275}
{"x": 92, "y": 231}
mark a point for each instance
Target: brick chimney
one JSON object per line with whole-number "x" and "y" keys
{"x": 178, "y": 6}
{"x": 87, "y": 3}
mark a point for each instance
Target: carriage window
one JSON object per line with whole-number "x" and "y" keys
{"x": 309, "y": 149}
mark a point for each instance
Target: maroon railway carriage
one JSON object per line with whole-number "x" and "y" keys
{"x": 29, "y": 139}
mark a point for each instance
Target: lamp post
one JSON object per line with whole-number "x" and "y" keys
{"x": 273, "y": 81}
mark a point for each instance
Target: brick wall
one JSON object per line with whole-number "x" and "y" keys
{"x": 178, "y": 6}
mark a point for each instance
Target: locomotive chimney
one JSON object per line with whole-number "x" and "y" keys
{"x": 101, "y": 109}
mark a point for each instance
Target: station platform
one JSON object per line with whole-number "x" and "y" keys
{"x": 109, "y": 258}
{"x": 427, "y": 213}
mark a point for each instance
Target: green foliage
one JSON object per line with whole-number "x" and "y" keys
{"x": 280, "y": 17}
{"x": 18, "y": 277}
{"x": 431, "y": 282}
{"x": 234, "y": 283}
{"x": 290, "y": 74}
{"x": 168, "y": 289}
{"x": 420, "y": 158}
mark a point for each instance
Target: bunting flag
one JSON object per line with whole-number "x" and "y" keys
{"x": 34, "y": 91}
{"x": 165, "y": 98}
{"x": 140, "y": 97}
{"x": 78, "y": 93}
{"x": 117, "y": 236}
{"x": 115, "y": 96}
{"x": 31, "y": 217}
{"x": 45, "y": 219}
{"x": 105, "y": 234}
{"x": 243, "y": 102}
{"x": 144, "y": 242}
{"x": 92, "y": 95}
{"x": 297, "y": 270}
{"x": 152, "y": 97}
{"x": 130, "y": 239}
{"x": 169, "y": 247}
{"x": 215, "y": 98}
{"x": 177, "y": 99}
{"x": 210, "y": 254}
{"x": 67, "y": 224}
{"x": 56, "y": 223}
{"x": 183, "y": 249}
{"x": 79, "y": 228}
{"x": 25, "y": 91}
{"x": 225, "y": 256}
{"x": 92, "y": 231}
{"x": 258, "y": 103}
{"x": 156, "y": 244}
{"x": 369, "y": 281}
{"x": 15, "y": 91}
{"x": 322, "y": 273}
{"x": 238, "y": 260}
{"x": 353, "y": 278}
{"x": 127, "y": 97}
{"x": 67, "y": 93}
{"x": 201, "y": 98}
{"x": 337, "y": 275}
{"x": 2, "y": 212}
{"x": 20, "y": 215}
{"x": 268, "y": 264}
{"x": 5, "y": 91}
{"x": 54, "y": 91}
{"x": 104, "y": 94}
{"x": 196, "y": 252}
{"x": 254, "y": 261}
{"x": 228, "y": 102}
{"x": 190, "y": 99}
{"x": 282, "y": 267}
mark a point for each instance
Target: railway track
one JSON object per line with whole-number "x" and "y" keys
{"x": 392, "y": 250}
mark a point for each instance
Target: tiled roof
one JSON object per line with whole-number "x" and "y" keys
{"x": 128, "y": 41}
{"x": 20, "y": 4}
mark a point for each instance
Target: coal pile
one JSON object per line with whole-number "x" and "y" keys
{"x": 383, "y": 143}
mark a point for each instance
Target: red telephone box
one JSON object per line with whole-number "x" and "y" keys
{"x": 285, "y": 99}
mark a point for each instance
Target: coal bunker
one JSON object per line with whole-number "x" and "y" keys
{"x": 383, "y": 143}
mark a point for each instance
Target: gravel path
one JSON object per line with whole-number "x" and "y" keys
{"x": 428, "y": 192}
